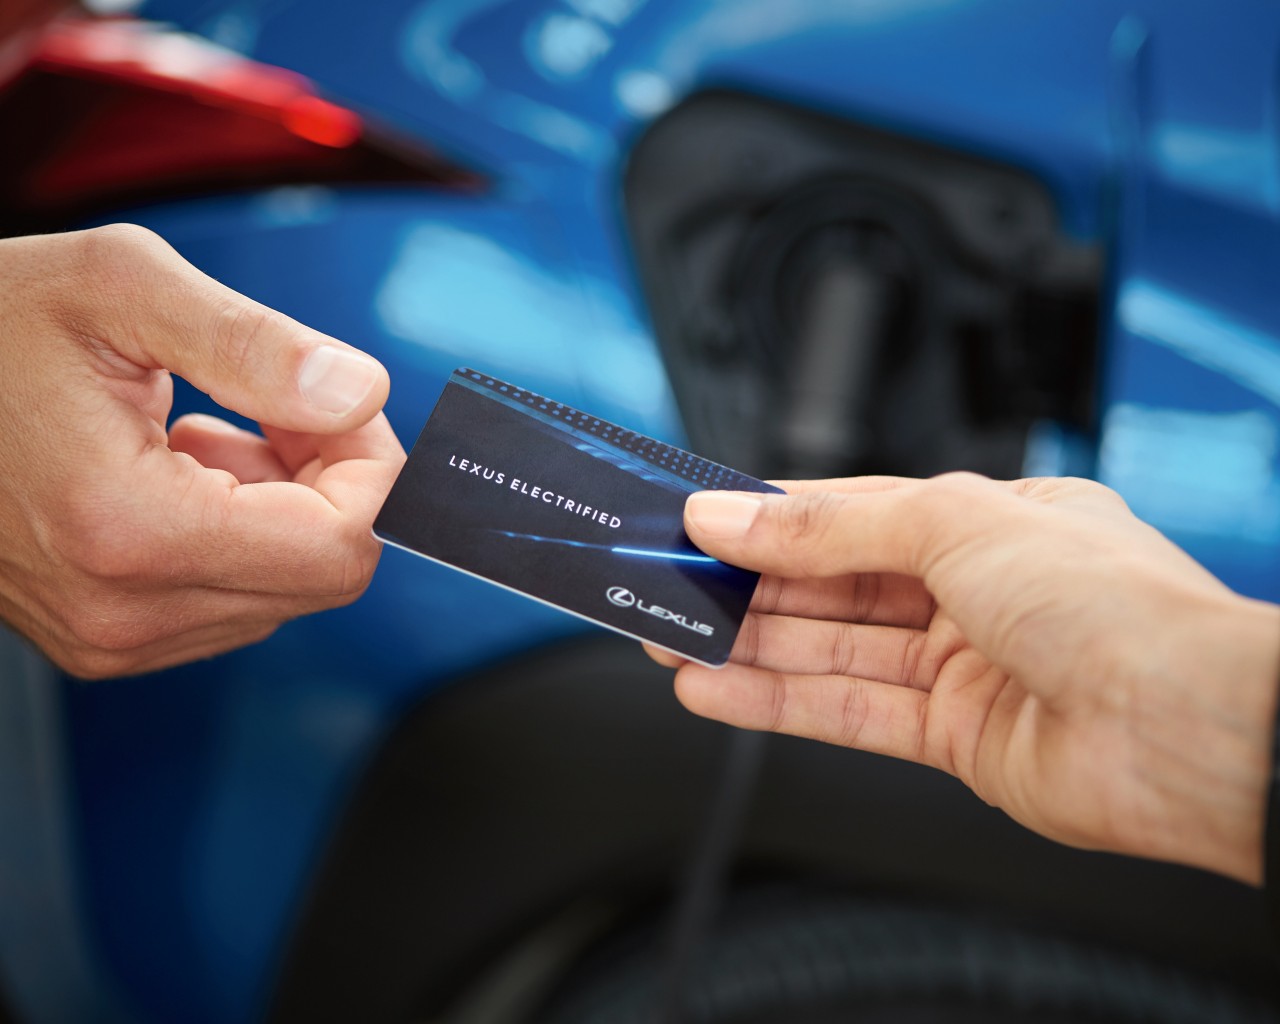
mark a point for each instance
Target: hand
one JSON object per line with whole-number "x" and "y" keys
{"x": 127, "y": 548}
{"x": 1063, "y": 659}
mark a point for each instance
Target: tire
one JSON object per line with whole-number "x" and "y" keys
{"x": 799, "y": 957}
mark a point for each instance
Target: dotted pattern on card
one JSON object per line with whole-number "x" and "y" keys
{"x": 702, "y": 473}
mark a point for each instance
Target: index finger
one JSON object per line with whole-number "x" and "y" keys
{"x": 325, "y": 461}
{"x": 283, "y": 537}
{"x": 825, "y": 532}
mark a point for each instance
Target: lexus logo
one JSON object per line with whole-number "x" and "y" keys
{"x": 621, "y": 596}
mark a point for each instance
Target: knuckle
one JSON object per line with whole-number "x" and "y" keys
{"x": 962, "y": 478}
{"x": 804, "y": 522}
{"x": 361, "y": 567}
{"x": 237, "y": 333}
{"x": 851, "y": 717}
{"x": 912, "y": 655}
{"x": 945, "y": 514}
{"x": 959, "y": 484}
{"x": 748, "y": 643}
{"x": 116, "y": 246}
{"x": 843, "y": 649}
{"x": 1082, "y": 484}
{"x": 768, "y": 595}
{"x": 866, "y": 596}
{"x": 926, "y": 750}
{"x": 936, "y": 647}
{"x": 352, "y": 572}
{"x": 1094, "y": 490}
{"x": 798, "y": 515}
{"x": 98, "y": 270}
{"x": 776, "y": 714}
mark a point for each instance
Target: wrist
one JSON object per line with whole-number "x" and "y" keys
{"x": 1221, "y": 691}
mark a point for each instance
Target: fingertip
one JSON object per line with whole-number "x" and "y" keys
{"x": 721, "y": 515}
{"x": 216, "y": 444}
{"x": 202, "y": 423}
{"x": 699, "y": 690}
{"x": 686, "y": 687}
{"x": 665, "y": 658}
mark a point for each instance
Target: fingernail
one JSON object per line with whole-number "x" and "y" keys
{"x": 722, "y": 514}
{"x": 336, "y": 380}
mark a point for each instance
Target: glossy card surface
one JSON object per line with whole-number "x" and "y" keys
{"x": 571, "y": 510}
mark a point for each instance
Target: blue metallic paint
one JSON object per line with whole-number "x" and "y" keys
{"x": 202, "y": 797}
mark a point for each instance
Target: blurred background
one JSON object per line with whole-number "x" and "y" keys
{"x": 818, "y": 237}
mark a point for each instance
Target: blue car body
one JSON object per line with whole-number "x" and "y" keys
{"x": 182, "y": 814}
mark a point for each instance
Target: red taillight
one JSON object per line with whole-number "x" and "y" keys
{"x": 114, "y": 111}
{"x": 319, "y": 121}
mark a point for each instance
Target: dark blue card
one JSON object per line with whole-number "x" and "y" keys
{"x": 571, "y": 510}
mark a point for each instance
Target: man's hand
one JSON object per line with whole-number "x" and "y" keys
{"x": 1063, "y": 659}
{"x": 125, "y": 547}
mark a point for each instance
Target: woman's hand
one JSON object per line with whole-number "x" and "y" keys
{"x": 1063, "y": 659}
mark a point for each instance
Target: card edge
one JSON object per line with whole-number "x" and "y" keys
{"x": 559, "y": 608}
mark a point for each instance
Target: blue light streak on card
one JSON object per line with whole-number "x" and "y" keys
{"x": 552, "y": 540}
{"x": 671, "y": 556}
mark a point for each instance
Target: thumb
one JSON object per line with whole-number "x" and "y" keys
{"x": 160, "y": 312}
{"x": 821, "y": 533}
